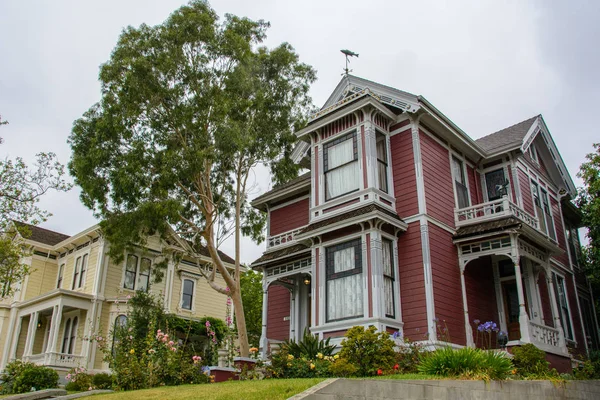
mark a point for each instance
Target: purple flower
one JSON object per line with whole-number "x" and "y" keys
{"x": 396, "y": 335}
{"x": 476, "y": 321}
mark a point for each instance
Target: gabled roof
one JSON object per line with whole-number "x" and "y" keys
{"x": 300, "y": 181}
{"x": 40, "y": 235}
{"x": 506, "y": 138}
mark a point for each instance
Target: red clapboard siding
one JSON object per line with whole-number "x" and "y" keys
{"x": 278, "y": 309}
{"x": 412, "y": 285}
{"x": 577, "y": 326}
{"x": 446, "y": 284}
{"x": 560, "y": 233}
{"x": 512, "y": 184}
{"x": 525, "y": 189}
{"x": 481, "y": 293}
{"x": 439, "y": 193}
{"x": 289, "y": 217}
{"x": 545, "y": 298}
{"x": 399, "y": 125}
{"x": 474, "y": 186}
{"x": 403, "y": 168}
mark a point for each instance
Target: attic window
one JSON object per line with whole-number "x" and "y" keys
{"x": 534, "y": 154}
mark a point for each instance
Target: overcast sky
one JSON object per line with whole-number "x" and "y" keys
{"x": 485, "y": 64}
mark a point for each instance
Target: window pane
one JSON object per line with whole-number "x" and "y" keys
{"x": 73, "y": 336}
{"x": 130, "y": 272}
{"x": 561, "y": 294}
{"x": 343, "y": 260}
{"x": 83, "y": 271}
{"x": 76, "y": 272}
{"x": 144, "y": 279}
{"x": 345, "y": 298}
{"x": 188, "y": 292}
{"x": 387, "y": 258}
{"x": 342, "y": 180}
{"x": 340, "y": 154}
{"x": 61, "y": 270}
{"x": 382, "y": 176}
{"x": 381, "y": 153}
{"x": 388, "y": 289}
{"x": 494, "y": 182}
{"x": 66, "y": 336}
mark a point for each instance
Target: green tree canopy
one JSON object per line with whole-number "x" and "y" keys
{"x": 251, "y": 285}
{"x": 188, "y": 109}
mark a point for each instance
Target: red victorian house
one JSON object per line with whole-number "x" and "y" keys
{"x": 404, "y": 221}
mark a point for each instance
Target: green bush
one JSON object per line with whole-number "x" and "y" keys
{"x": 368, "y": 350}
{"x": 530, "y": 361}
{"x": 590, "y": 369}
{"x": 21, "y": 377}
{"x": 342, "y": 368}
{"x": 78, "y": 380}
{"x": 409, "y": 356}
{"x": 466, "y": 362}
{"x": 308, "y": 347}
{"x": 102, "y": 381}
{"x": 285, "y": 365}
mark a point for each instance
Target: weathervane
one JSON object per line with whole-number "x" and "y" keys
{"x": 348, "y": 54}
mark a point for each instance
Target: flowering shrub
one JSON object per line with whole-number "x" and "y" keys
{"x": 78, "y": 380}
{"x": 368, "y": 350}
{"x": 286, "y": 365}
{"x": 486, "y": 333}
{"x": 408, "y": 356}
{"x": 22, "y": 377}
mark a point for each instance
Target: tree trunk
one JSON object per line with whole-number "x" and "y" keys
{"x": 240, "y": 322}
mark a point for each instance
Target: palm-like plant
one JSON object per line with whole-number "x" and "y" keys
{"x": 308, "y": 347}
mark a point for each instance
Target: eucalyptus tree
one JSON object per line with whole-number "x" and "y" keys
{"x": 188, "y": 109}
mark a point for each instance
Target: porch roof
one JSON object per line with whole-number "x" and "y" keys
{"x": 277, "y": 255}
{"x": 497, "y": 225}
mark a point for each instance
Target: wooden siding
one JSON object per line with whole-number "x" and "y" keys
{"x": 545, "y": 299}
{"x": 288, "y": 217}
{"x": 512, "y": 184}
{"x": 574, "y": 311}
{"x": 278, "y": 309}
{"x": 399, "y": 125}
{"x": 439, "y": 193}
{"x": 403, "y": 170}
{"x": 446, "y": 284}
{"x": 338, "y": 126}
{"x": 412, "y": 283}
{"x": 525, "y": 189}
{"x": 560, "y": 233}
{"x": 474, "y": 186}
{"x": 42, "y": 277}
{"x": 481, "y": 293}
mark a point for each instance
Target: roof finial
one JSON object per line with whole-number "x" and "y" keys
{"x": 348, "y": 54}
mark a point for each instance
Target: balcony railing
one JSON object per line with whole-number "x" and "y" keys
{"x": 493, "y": 210}
{"x": 545, "y": 335}
{"x": 56, "y": 359}
{"x": 282, "y": 238}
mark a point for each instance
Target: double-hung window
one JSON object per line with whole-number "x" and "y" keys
{"x": 79, "y": 272}
{"x": 460, "y": 183}
{"x": 563, "y": 305}
{"x": 573, "y": 242}
{"x": 382, "y": 162}
{"x": 537, "y": 203}
{"x": 340, "y": 161}
{"x": 389, "y": 278}
{"x": 69, "y": 336}
{"x": 344, "y": 281}
{"x": 137, "y": 273}
{"x": 61, "y": 271}
{"x": 548, "y": 215}
{"x": 187, "y": 296}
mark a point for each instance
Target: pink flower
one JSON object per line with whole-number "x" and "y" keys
{"x": 207, "y": 324}
{"x": 171, "y": 343}
{"x": 227, "y": 289}
{"x": 128, "y": 296}
{"x": 164, "y": 339}
{"x": 173, "y": 349}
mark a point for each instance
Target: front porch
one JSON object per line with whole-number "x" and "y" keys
{"x": 507, "y": 280}
{"x": 52, "y": 332}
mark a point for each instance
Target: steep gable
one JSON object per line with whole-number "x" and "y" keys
{"x": 507, "y": 138}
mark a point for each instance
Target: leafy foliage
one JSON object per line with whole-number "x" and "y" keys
{"x": 342, "y": 368}
{"x": 368, "y": 350}
{"x": 588, "y": 201}
{"x": 408, "y": 356}
{"x": 78, "y": 380}
{"x": 21, "y": 189}
{"x": 286, "y": 365}
{"x": 466, "y": 362}
{"x": 21, "y": 377}
{"x": 102, "y": 381}
{"x": 188, "y": 109}
{"x": 590, "y": 369}
{"x": 530, "y": 361}
{"x": 251, "y": 286}
{"x": 309, "y": 347}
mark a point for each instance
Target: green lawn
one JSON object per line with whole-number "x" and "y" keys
{"x": 270, "y": 389}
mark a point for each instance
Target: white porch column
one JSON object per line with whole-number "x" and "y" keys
{"x": 523, "y": 318}
{"x": 263, "y": 334}
{"x": 54, "y": 329}
{"x": 87, "y": 332}
{"x": 293, "y": 310}
{"x": 10, "y": 337}
{"x": 33, "y": 320}
{"x": 15, "y": 339}
{"x": 468, "y": 328}
{"x": 555, "y": 310}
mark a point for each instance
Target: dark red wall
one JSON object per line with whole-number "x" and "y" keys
{"x": 439, "y": 193}
{"x": 403, "y": 168}
{"x": 545, "y": 298}
{"x": 278, "y": 309}
{"x": 289, "y": 217}
{"x": 577, "y": 325}
{"x": 412, "y": 285}
{"x": 474, "y": 186}
{"x": 447, "y": 290}
{"x": 481, "y": 294}
{"x": 560, "y": 233}
{"x": 525, "y": 189}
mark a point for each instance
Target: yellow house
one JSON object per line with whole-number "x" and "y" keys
{"x": 75, "y": 291}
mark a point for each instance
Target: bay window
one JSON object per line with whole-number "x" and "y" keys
{"x": 460, "y": 183}
{"x": 388, "y": 278}
{"x": 340, "y": 159}
{"x": 382, "y": 163}
{"x": 344, "y": 281}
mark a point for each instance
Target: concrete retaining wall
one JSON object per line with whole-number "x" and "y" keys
{"x": 356, "y": 389}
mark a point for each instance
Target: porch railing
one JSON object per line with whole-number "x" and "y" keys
{"x": 282, "y": 238}
{"x": 545, "y": 335}
{"x": 493, "y": 210}
{"x": 56, "y": 359}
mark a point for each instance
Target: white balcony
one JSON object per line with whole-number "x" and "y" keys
{"x": 56, "y": 359}
{"x": 493, "y": 210}
{"x": 283, "y": 238}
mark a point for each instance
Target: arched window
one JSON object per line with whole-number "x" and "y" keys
{"x": 73, "y": 336}
{"x": 120, "y": 322}
{"x": 66, "y": 336}
{"x": 61, "y": 271}
{"x": 187, "y": 297}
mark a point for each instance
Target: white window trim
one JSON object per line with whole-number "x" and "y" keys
{"x": 461, "y": 158}
{"x": 64, "y": 267}
{"x": 323, "y": 181}
{"x": 187, "y": 276}
{"x": 396, "y": 269}
{"x": 504, "y": 166}
{"x": 388, "y": 172}
{"x": 557, "y": 273}
{"x": 137, "y": 271}
{"x": 551, "y": 211}
{"x": 534, "y": 178}
{"x": 83, "y": 252}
